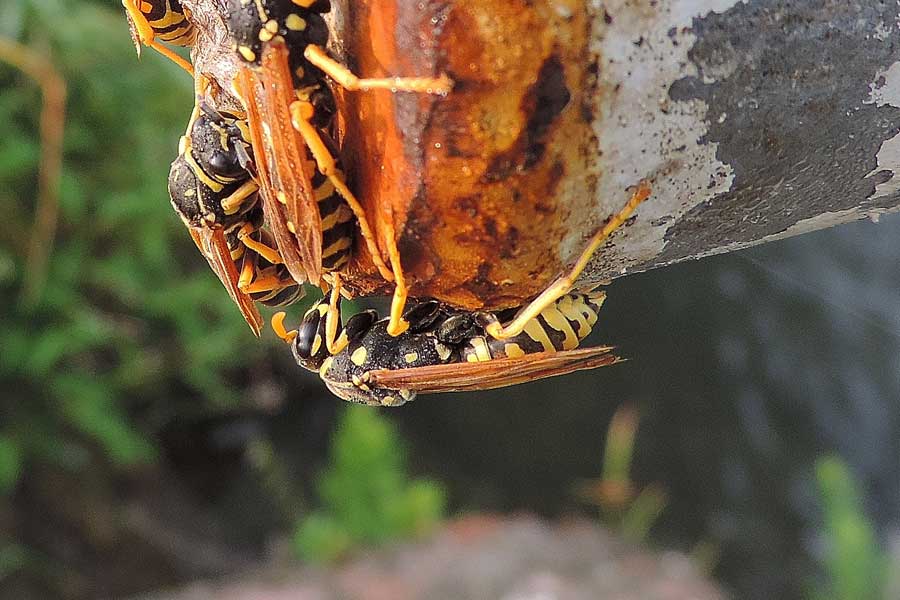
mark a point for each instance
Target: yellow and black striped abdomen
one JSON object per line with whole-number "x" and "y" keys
{"x": 337, "y": 224}
{"x": 168, "y": 21}
{"x": 561, "y": 326}
{"x": 266, "y": 283}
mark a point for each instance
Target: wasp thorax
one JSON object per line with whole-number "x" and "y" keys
{"x": 253, "y": 24}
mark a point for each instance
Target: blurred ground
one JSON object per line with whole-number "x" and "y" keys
{"x": 519, "y": 558}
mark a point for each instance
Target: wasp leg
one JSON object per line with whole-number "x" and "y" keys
{"x": 266, "y": 284}
{"x": 346, "y": 79}
{"x": 233, "y": 202}
{"x": 562, "y": 285}
{"x": 280, "y": 331}
{"x": 397, "y": 323}
{"x": 248, "y": 272}
{"x": 301, "y": 113}
{"x": 148, "y": 37}
{"x": 268, "y": 253}
{"x": 333, "y": 317}
{"x": 172, "y": 55}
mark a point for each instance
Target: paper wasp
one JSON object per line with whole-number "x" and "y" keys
{"x": 156, "y": 21}
{"x": 212, "y": 191}
{"x": 444, "y": 350}
{"x": 290, "y": 115}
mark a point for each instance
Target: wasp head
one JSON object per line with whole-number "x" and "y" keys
{"x": 184, "y": 192}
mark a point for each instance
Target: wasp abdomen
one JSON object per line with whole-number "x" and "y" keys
{"x": 337, "y": 224}
{"x": 168, "y": 22}
{"x": 561, "y": 326}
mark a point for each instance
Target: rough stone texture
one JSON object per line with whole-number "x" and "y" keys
{"x": 483, "y": 557}
{"x": 753, "y": 120}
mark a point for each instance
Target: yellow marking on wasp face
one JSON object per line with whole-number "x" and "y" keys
{"x": 326, "y": 364}
{"x": 295, "y": 22}
{"x": 555, "y": 319}
{"x": 265, "y": 35}
{"x": 411, "y": 357}
{"x": 471, "y": 358}
{"x": 316, "y": 345}
{"x": 223, "y": 136}
{"x": 534, "y": 330}
{"x": 389, "y": 401}
{"x": 480, "y": 349}
{"x": 405, "y": 393}
{"x": 513, "y": 350}
{"x": 248, "y": 54}
{"x": 243, "y": 128}
{"x": 359, "y": 356}
{"x": 271, "y": 26}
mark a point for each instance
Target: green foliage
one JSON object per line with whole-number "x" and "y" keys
{"x": 854, "y": 564}
{"x": 632, "y": 512}
{"x": 367, "y": 496}
{"x": 131, "y": 316}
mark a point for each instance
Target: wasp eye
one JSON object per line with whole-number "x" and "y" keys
{"x": 359, "y": 324}
{"x": 456, "y": 329}
{"x": 225, "y": 164}
{"x": 423, "y": 315}
{"x": 307, "y": 334}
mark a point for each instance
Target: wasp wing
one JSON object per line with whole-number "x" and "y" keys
{"x": 214, "y": 248}
{"x": 252, "y": 93}
{"x": 294, "y": 168}
{"x": 285, "y": 168}
{"x": 487, "y": 375}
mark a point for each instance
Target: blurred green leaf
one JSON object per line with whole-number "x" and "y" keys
{"x": 855, "y": 565}
{"x": 87, "y": 404}
{"x": 365, "y": 490}
{"x": 320, "y": 538}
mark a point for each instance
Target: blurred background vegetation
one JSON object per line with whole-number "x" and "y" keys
{"x": 146, "y": 438}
